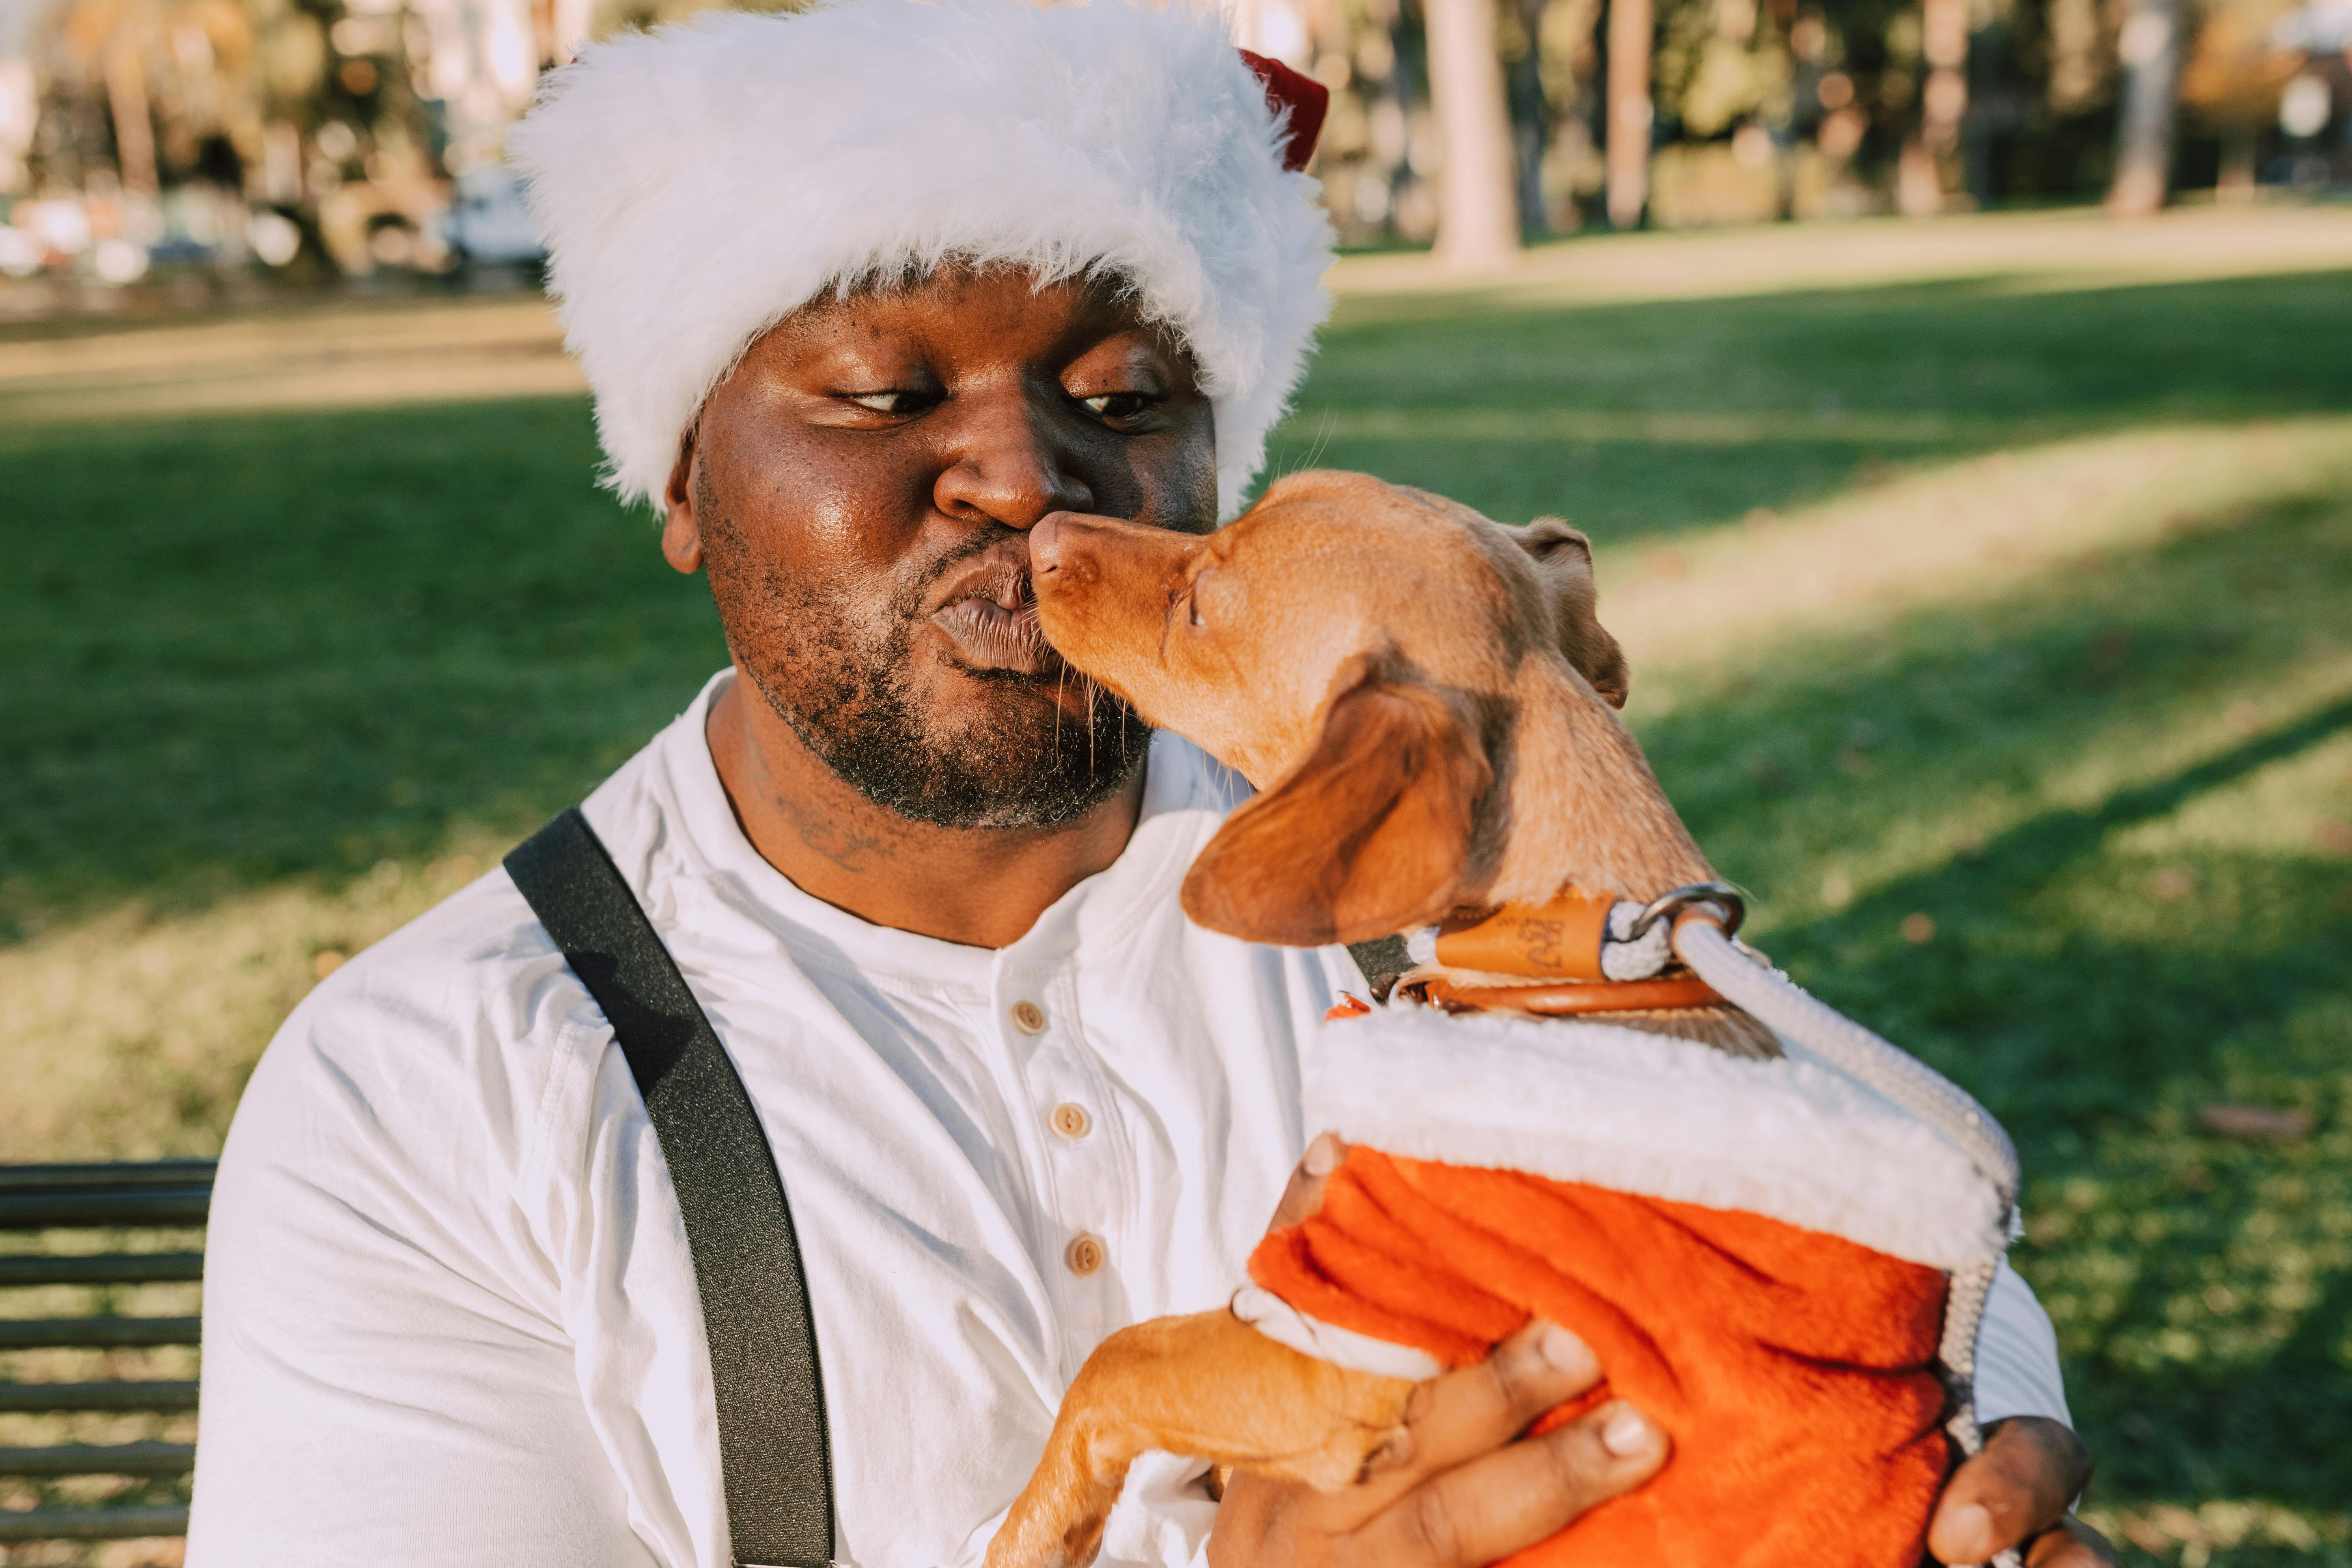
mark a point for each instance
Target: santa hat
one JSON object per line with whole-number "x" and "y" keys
{"x": 696, "y": 184}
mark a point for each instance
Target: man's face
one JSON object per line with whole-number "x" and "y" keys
{"x": 862, "y": 487}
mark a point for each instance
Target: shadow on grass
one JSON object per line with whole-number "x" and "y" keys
{"x": 2001, "y": 366}
{"x": 2133, "y": 919}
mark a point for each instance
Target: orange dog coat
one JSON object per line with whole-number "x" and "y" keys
{"x": 1755, "y": 1251}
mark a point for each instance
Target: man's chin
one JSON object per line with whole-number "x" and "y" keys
{"x": 1019, "y": 755}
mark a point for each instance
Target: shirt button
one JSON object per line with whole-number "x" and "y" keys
{"x": 1071, "y": 1121}
{"x": 1029, "y": 1018}
{"x": 1085, "y": 1254}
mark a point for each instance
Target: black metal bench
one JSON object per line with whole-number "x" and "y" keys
{"x": 56, "y": 1206}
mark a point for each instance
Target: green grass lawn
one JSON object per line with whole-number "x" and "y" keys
{"x": 2082, "y": 697}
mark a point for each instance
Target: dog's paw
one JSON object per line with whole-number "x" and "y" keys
{"x": 1393, "y": 1449}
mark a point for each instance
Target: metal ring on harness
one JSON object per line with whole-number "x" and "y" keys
{"x": 1730, "y": 903}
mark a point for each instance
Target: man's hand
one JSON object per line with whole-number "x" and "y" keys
{"x": 2015, "y": 1492}
{"x": 1462, "y": 1489}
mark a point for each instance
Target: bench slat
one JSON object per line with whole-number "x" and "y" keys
{"x": 101, "y": 1459}
{"x": 162, "y": 1192}
{"x": 99, "y": 1267}
{"x": 92, "y": 1524}
{"x": 135, "y": 1394}
{"x": 94, "y": 1333}
{"x": 78, "y": 1178}
{"x": 180, "y": 1203}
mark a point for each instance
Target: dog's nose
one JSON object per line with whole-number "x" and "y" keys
{"x": 1045, "y": 538}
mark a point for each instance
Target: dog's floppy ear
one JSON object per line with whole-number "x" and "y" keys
{"x": 1367, "y": 836}
{"x": 1564, "y": 556}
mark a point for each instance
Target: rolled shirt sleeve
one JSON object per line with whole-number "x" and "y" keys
{"x": 2017, "y": 1355}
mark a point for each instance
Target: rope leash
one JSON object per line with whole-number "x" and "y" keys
{"x": 1863, "y": 1056}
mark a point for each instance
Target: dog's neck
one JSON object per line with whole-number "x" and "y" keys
{"x": 1577, "y": 805}
{"x": 1579, "y": 808}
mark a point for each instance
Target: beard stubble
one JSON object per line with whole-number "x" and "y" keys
{"x": 842, "y": 672}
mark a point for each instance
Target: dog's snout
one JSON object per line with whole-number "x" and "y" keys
{"x": 1047, "y": 540}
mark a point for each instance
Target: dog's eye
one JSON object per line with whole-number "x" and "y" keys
{"x": 1190, "y": 596}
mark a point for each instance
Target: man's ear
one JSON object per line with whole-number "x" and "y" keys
{"x": 1564, "y": 556}
{"x": 681, "y": 540}
{"x": 1367, "y": 835}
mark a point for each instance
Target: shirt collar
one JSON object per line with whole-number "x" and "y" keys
{"x": 1185, "y": 796}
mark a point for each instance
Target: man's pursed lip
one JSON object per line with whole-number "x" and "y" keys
{"x": 988, "y": 636}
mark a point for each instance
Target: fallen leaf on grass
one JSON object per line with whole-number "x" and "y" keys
{"x": 2252, "y": 1121}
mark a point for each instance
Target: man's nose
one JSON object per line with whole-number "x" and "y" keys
{"x": 1007, "y": 467}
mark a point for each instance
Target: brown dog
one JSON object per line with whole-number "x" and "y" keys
{"x": 1424, "y": 701}
{"x": 1423, "y": 698}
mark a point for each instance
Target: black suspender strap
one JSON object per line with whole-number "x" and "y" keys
{"x": 1383, "y": 959}
{"x": 776, "y": 1464}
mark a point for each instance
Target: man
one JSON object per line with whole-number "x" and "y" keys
{"x": 864, "y": 294}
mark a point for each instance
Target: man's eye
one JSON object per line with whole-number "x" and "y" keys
{"x": 891, "y": 402}
{"x": 1116, "y": 404}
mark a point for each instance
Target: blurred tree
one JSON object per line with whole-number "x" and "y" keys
{"x": 2230, "y": 82}
{"x": 2150, "y": 49}
{"x": 1478, "y": 188}
{"x": 1922, "y": 181}
{"x": 1632, "y": 26}
{"x": 1568, "y": 59}
{"x": 1519, "y": 25}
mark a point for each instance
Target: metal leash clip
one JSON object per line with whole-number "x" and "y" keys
{"x": 1728, "y": 902}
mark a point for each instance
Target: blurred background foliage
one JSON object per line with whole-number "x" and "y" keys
{"x": 202, "y": 149}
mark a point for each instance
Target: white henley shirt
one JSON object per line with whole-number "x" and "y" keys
{"x": 450, "y": 1317}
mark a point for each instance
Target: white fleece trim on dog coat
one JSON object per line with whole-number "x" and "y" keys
{"x": 1634, "y": 1112}
{"x": 696, "y": 184}
{"x": 1280, "y": 1322}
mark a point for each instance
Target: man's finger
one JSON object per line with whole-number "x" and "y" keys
{"x": 1304, "y": 1195}
{"x": 1469, "y": 1413}
{"x": 2071, "y": 1543}
{"x": 2017, "y": 1486}
{"x": 1513, "y": 1498}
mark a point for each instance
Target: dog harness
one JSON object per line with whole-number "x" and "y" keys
{"x": 1784, "y": 1262}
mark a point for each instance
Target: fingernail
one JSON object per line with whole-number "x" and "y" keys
{"x": 1322, "y": 1155}
{"x": 1626, "y": 1433}
{"x": 1970, "y": 1531}
{"x": 1564, "y": 1349}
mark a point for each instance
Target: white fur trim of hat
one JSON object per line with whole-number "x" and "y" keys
{"x": 696, "y": 184}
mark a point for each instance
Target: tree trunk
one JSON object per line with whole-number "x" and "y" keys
{"x": 1627, "y": 146}
{"x": 2150, "y": 48}
{"x": 1477, "y": 190}
{"x": 2240, "y": 149}
{"x": 126, "y": 96}
{"x": 1923, "y": 185}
